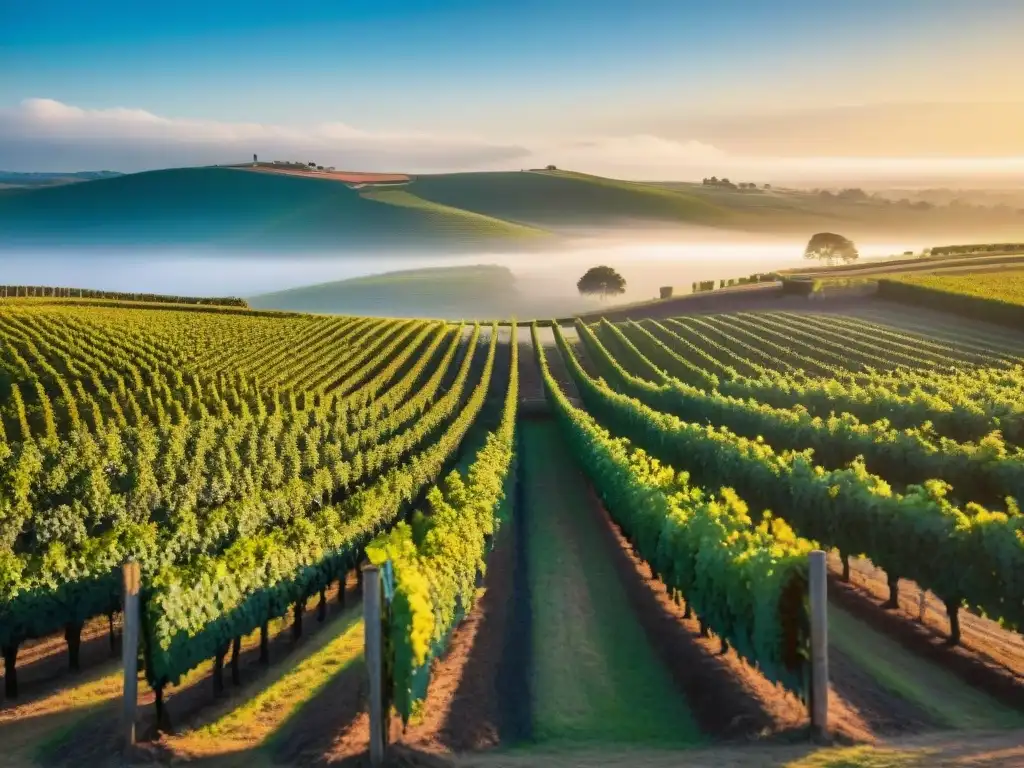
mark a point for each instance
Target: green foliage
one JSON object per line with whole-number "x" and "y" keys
{"x": 602, "y": 281}
{"x": 436, "y": 561}
{"x": 995, "y": 297}
{"x": 965, "y": 405}
{"x": 192, "y": 611}
{"x": 915, "y": 535}
{"x": 986, "y": 472}
{"x": 39, "y": 291}
{"x": 960, "y": 250}
{"x": 151, "y": 436}
{"x": 746, "y": 581}
{"x": 830, "y": 247}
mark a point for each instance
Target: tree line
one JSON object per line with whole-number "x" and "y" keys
{"x": 46, "y": 291}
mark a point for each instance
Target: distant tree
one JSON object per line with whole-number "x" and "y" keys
{"x": 311, "y": 164}
{"x": 725, "y": 180}
{"x": 713, "y": 180}
{"x": 601, "y": 281}
{"x": 319, "y": 167}
{"x": 830, "y": 248}
{"x": 767, "y": 186}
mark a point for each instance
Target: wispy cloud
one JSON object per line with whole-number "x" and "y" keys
{"x": 147, "y": 140}
{"x": 43, "y": 135}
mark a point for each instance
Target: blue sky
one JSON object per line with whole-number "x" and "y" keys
{"x": 527, "y": 73}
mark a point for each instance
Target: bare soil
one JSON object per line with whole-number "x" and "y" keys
{"x": 465, "y": 702}
{"x": 989, "y": 658}
{"x": 348, "y": 177}
{"x": 43, "y": 662}
{"x": 732, "y": 699}
{"x": 191, "y": 705}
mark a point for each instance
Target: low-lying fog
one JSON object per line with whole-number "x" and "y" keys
{"x": 645, "y": 262}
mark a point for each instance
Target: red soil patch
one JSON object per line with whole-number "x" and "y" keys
{"x": 348, "y": 177}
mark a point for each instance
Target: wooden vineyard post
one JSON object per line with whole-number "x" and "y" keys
{"x": 374, "y": 660}
{"x": 818, "y": 701}
{"x": 130, "y": 651}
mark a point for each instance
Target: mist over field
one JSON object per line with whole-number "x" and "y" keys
{"x": 545, "y": 282}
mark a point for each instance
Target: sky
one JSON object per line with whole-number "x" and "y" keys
{"x": 630, "y": 88}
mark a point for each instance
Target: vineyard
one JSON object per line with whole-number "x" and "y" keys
{"x": 597, "y": 535}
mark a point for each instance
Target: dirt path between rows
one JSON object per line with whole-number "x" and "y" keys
{"x": 463, "y": 709}
{"x": 862, "y": 708}
{"x": 43, "y": 663}
{"x": 986, "y": 660}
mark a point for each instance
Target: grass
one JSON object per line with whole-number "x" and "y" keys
{"x": 265, "y": 713}
{"x": 27, "y": 731}
{"x": 564, "y": 199}
{"x": 759, "y": 756}
{"x": 865, "y": 757}
{"x": 36, "y": 731}
{"x": 950, "y": 701}
{"x": 1003, "y": 286}
{"x": 442, "y": 291}
{"x": 473, "y": 291}
{"x": 231, "y": 209}
{"x": 455, "y": 218}
{"x": 595, "y": 678}
{"x": 676, "y": 198}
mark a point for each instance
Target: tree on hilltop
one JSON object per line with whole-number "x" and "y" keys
{"x": 601, "y": 281}
{"x": 830, "y": 248}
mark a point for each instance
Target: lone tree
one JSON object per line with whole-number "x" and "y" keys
{"x": 601, "y": 281}
{"x": 830, "y": 248}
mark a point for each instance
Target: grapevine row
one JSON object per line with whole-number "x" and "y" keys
{"x": 193, "y": 612}
{"x": 438, "y": 558}
{"x": 987, "y": 472}
{"x": 916, "y": 535}
{"x": 746, "y": 581}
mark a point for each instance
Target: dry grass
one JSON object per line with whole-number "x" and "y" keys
{"x": 254, "y": 717}
{"x": 977, "y": 750}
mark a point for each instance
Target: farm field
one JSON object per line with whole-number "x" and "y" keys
{"x": 1005, "y": 286}
{"x": 562, "y": 593}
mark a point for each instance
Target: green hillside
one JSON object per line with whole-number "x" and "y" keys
{"x": 454, "y": 219}
{"x": 551, "y": 199}
{"x": 447, "y": 292}
{"x": 229, "y": 208}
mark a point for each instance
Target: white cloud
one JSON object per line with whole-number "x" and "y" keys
{"x": 47, "y": 135}
{"x": 146, "y": 140}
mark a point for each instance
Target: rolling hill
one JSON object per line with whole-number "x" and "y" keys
{"x": 18, "y": 180}
{"x": 562, "y": 198}
{"x": 452, "y": 293}
{"x": 231, "y": 208}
